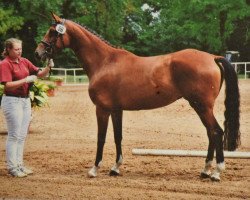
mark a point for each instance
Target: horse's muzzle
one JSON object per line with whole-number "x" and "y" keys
{"x": 41, "y": 55}
{"x": 37, "y": 56}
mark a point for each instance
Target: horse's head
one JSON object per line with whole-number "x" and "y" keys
{"x": 54, "y": 40}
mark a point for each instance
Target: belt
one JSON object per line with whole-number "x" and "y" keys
{"x": 18, "y": 96}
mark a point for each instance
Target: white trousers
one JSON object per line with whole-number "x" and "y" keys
{"x": 17, "y": 112}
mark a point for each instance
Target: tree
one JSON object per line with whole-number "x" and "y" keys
{"x": 100, "y": 16}
{"x": 9, "y": 21}
{"x": 145, "y": 27}
{"x": 205, "y": 25}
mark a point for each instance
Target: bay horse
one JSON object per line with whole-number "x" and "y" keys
{"x": 119, "y": 80}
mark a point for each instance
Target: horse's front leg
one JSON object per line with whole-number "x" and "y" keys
{"x": 117, "y": 126}
{"x": 102, "y": 123}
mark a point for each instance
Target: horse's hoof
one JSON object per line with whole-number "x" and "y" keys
{"x": 204, "y": 175}
{"x": 91, "y": 175}
{"x": 113, "y": 173}
{"x": 215, "y": 177}
{"x": 93, "y": 172}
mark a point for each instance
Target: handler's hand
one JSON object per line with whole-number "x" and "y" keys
{"x": 51, "y": 63}
{"x": 30, "y": 79}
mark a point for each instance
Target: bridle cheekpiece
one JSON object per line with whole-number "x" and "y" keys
{"x": 49, "y": 46}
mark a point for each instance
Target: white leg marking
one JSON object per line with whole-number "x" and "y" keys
{"x": 116, "y": 166}
{"x": 92, "y": 173}
{"x": 207, "y": 170}
{"x": 216, "y": 174}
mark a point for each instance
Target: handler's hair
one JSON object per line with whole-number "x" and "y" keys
{"x": 8, "y": 44}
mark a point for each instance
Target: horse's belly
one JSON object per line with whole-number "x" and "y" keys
{"x": 139, "y": 100}
{"x": 145, "y": 94}
{"x": 144, "y": 101}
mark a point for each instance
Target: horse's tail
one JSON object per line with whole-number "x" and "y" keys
{"x": 232, "y": 104}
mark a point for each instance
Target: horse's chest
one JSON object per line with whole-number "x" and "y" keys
{"x": 102, "y": 95}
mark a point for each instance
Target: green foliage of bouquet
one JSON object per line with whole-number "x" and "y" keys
{"x": 38, "y": 93}
{"x": 1, "y": 89}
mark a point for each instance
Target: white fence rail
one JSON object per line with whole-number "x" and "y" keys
{"x": 240, "y": 67}
{"x": 64, "y": 72}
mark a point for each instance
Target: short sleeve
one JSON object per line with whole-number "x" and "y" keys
{"x": 33, "y": 70}
{"x": 5, "y": 72}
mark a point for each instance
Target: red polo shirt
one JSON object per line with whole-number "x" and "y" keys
{"x": 13, "y": 71}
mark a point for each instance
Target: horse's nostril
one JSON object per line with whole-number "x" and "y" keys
{"x": 37, "y": 55}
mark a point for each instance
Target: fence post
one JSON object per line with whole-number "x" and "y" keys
{"x": 245, "y": 70}
{"x": 65, "y": 76}
{"x": 74, "y": 72}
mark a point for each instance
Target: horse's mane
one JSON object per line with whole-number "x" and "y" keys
{"x": 96, "y": 34}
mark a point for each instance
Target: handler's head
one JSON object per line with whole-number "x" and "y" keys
{"x": 10, "y": 45}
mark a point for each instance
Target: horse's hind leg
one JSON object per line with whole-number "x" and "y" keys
{"x": 102, "y": 123}
{"x": 117, "y": 126}
{"x": 215, "y": 136}
{"x": 206, "y": 172}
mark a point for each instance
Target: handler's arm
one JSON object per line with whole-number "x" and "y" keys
{"x": 46, "y": 70}
{"x": 15, "y": 84}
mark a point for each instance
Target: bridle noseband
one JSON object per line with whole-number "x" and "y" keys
{"x": 50, "y": 46}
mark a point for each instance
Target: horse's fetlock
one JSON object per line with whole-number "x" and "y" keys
{"x": 120, "y": 160}
{"x": 220, "y": 167}
{"x": 208, "y": 164}
{"x": 99, "y": 164}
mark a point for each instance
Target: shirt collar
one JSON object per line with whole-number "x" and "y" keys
{"x": 20, "y": 60}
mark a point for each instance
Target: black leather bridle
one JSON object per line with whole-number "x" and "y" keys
{"x": 50, "y": 46}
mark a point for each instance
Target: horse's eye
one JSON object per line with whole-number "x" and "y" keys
{"x": 52, "y": 33}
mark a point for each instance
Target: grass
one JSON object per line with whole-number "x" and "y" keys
{"x": 70, "y": 78}
{"x": 242, "y": 76}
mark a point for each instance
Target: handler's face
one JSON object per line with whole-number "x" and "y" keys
{"x": 16, "y": 51}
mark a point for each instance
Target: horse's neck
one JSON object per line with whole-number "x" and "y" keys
{"x": 90, "y": 50}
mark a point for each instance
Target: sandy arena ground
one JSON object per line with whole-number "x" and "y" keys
{"x": 61, "y": 148}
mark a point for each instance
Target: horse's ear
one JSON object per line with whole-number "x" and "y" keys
{"x": 56, "y": 18}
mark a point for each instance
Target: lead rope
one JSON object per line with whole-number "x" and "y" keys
{"x": 49, "y": 69}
